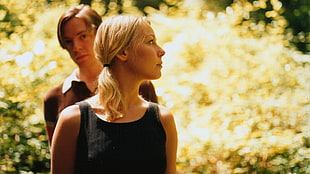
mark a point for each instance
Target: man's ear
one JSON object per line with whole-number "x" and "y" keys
{"x": 122, "y": 55}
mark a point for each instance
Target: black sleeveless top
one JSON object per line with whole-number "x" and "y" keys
{"x": 136, "y": 147}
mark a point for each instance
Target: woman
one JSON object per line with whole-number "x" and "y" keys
{"x": 76, "y": 33}
{"x": 117, "y": 131}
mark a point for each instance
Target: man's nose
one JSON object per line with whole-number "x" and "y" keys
{"x": 77, "y": 45}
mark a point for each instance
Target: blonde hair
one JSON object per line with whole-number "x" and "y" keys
{"x": 114, "y": 35}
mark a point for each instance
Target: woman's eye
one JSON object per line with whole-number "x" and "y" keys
{"x": 151, "y": 41}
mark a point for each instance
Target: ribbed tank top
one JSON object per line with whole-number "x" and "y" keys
{"x": 136, "y": 147}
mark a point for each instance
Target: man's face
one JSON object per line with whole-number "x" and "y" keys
{"x": 79, "y": 41}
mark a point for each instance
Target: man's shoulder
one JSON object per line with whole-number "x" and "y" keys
{"x": 53, "y": 93}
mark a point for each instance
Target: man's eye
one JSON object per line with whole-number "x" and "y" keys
{"x": 68, "y": 41}
{"x": 151, "y": 41}
{"x": 83, "y": 36}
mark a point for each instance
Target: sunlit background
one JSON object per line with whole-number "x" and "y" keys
{"x": 236, "y": 76}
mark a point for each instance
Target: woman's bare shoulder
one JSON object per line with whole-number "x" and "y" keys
{"x": 165, "y": 114}
{"x": 70, "y": 115}
{"x": 70, "y": 112}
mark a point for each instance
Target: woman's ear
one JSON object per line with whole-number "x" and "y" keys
{"x": 122, "y": 55}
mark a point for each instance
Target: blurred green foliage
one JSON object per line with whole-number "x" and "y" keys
{"x": 9, "y": 21}
{"x": 23, "y": 142}
{"x": 295, "y": 12}
{"x": 237, "y": 87}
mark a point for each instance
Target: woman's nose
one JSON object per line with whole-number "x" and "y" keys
{"x": 161, "y": 52}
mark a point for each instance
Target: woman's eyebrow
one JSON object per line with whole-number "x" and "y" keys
{"x": 152, "y": 35}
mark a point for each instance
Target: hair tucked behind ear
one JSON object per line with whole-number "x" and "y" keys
{"x": 114, "y": 35}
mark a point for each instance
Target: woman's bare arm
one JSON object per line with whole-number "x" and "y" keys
{"x": 63, "y": 148}
{"x": 168, "y": 123}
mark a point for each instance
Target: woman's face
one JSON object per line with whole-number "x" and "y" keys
{"x": 146, "y": 56}
{"x": 79, "y": 41}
